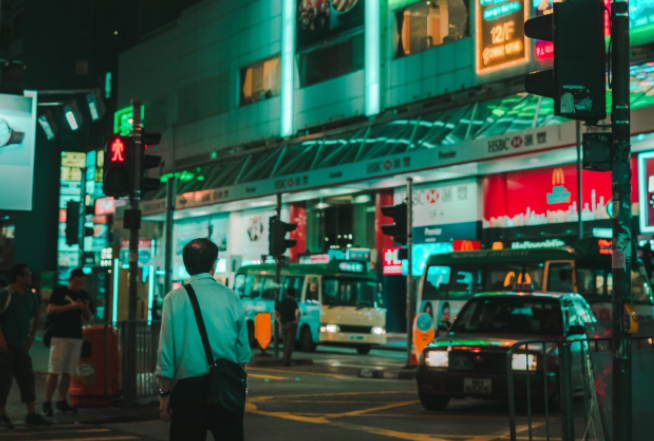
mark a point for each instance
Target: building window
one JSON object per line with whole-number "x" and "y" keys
{"x": 426, "y": 24}
{"x": 332, "y": 61}
{"x": 260, "y": 81}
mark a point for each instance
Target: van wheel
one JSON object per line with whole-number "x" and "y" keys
{"x": 252, "y": 340}
{"x": 306, "y": 340}
{"x": 364, "y": 349}
{"x": 433, "y": 402}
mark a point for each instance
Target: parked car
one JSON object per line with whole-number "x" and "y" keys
{"x": 470, "y": 358}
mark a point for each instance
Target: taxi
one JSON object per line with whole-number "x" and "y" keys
{"x": 470, "y": 358}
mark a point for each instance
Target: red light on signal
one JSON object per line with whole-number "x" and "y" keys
{"x": 117, "y": 150}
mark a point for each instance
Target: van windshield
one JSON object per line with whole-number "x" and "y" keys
{"x": 349, "y": 291}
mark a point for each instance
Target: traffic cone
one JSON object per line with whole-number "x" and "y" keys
{"x": 413, "y": 360}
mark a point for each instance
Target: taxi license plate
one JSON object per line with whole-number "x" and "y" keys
{"x": 357, "y": 337}
{"x": 477, "y": 386}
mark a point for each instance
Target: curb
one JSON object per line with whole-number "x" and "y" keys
{"x": 382, "y": 374}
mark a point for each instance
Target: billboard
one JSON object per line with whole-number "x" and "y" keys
{"x": 17, "y": 132}
{"x": 500, "y": 33}
{"x": 318, "y": 20}
{"x": 646, "y": 191}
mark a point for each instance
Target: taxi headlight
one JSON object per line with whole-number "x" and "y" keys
{"x": 438, "y": 359}
{"x": 331, "y": 328}
{"x": 520, "y": 362}
{"x": 378, "y": 330}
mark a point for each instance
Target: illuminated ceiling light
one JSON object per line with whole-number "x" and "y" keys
{"x": 96, "y": 106}
{"x": 362, "y": 199}
{"x": 372, "y": 58}
{"x": 73, "y": 116}
{"x": 322, "y": 205}
{"x": 48, "y": 126}
{"x": 288, "y": 67}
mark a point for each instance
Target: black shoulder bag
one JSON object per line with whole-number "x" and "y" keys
{"x": 228, "y": 380}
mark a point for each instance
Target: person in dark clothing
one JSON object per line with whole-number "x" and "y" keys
{"x": 19, "y": 320}
{"x": 68, "y": 306}
{"x": 287, "y": 314}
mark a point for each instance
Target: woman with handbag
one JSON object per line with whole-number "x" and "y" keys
{"x": 203, "y": 348}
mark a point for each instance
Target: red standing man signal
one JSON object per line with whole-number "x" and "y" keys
{"x": 117, "y": 149}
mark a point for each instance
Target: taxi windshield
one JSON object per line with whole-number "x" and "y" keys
{"x": 510, "y": 315}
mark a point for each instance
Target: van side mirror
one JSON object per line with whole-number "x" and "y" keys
{"x": 444, "y": 326}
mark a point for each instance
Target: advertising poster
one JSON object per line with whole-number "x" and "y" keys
{"x": 318, "y": 20}
{"x": 215, "y": 229}
{"x": 17, "y": 132}
{"x": 255, "y": 235}
{"x": 500, "y": 33}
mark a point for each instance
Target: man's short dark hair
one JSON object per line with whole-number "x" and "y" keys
{"x": 17, "y": 271}
{"x": 291, "y": 292}
{"x": 77, "y": 272}
{"x": 199, "y": 256}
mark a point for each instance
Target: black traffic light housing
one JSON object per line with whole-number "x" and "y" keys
{"x": 398, "y": 229}
{"x": 72, "y": 222}
{"x": 578, "y": 80}
{"x": 277, "y": 242}
{"x": 148, "y": 140}
{"x": 118, "y": 166}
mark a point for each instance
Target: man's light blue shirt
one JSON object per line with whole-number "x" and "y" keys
{"x": 181, "y": 354}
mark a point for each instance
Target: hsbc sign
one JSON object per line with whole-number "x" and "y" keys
{"x": 504, "y": 144}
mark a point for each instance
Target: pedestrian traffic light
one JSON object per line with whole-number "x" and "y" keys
{"x": 117, "y": 164}
{"x": 72, "y": 222}
{"x": 277, "y": 242}
{"x": 148, "y": 140}
{"x": 577, "y": 81}
{"x": 398, "y": 229}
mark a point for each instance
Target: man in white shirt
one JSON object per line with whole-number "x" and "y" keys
{"x": 181, "y": 355}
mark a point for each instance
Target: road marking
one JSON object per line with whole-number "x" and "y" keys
{"x": 269, "y": 377}
{"x": 99, "y": 438}
{"x": 293, "y": 372}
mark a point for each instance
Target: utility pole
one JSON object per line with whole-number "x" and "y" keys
{"x": 580, "y": 201}
{"x": 171, "y": 200}
{"x": 133, "y": 220}
{"x": 410, "y": 304}
{"x": 278, "y": 270}
{"x": 621, "y": 257}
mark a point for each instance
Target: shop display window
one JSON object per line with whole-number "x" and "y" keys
{"x": 333, "y": 61}
{"x": 427, "y": 24}
{"x": 260, "y": 81}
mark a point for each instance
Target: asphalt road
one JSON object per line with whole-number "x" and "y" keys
{"x": 328, "y": 402}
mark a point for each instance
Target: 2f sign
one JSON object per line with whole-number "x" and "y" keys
{"x": 503, "y": 32}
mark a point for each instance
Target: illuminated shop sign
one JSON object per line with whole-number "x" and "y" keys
{"x": 529, "y": 245}
{"x": 500, "y": 33}
{"x": 392, "y": 265}
{"x": 646, "y": 191}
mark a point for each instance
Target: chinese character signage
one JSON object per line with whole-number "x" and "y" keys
{"x": 17, "y": 130}
{"x": 392, "y": 265}
{"x": 646, "y": 191}
{"x": 500, "y": 33}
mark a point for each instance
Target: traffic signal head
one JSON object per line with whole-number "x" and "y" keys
{"x": 398, "y": 229}
{"x": 117, "y": 166}
{"x": 149, "y": 161}
{"x": 577, "y": 81}
{"x": 277, "y": 242}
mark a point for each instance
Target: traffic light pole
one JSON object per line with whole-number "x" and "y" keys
{"x": 410, "y": 304}
{"x": 171, "y": 199}
{"x": 580, "y": 201}
{"x": 621, "y": 257}
{"x": 278, "y": 270}
{"x": 129, "y": 377}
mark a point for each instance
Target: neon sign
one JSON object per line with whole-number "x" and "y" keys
{"x": 500, "y": 34}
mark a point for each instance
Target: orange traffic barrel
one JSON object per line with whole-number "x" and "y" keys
{"x": 98, "y": 381}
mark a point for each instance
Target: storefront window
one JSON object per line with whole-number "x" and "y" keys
{"x": 427, "y": 24}
{"x": 332, "y": 61}
{"x": 260, "y": 81}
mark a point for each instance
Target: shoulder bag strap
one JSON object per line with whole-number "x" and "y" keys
{"x": 3, "y": 309}
{"x": 200, "y": 321}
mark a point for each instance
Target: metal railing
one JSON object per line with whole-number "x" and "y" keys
{"x": 583, "y": 371}
{"x": 141, "y": 374}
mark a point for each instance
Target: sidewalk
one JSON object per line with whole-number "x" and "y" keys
{"x": 394, "y": 342}
{"x": 40, "y": 354}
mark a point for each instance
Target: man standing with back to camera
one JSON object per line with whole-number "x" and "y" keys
{"x": 182, "y": 357}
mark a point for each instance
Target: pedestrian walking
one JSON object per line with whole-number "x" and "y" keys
{"x": 19, "y": 321}
{"x": 69, "y": 306}
{"x": 204, "y": 347}
{"x": 287, "y": 315}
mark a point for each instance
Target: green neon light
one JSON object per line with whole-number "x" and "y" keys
{"x": 183, "y": 176}
{"x": 288, "y": 67}
{"x": 107, "y": 85}
{"x": 397, "y": 4}
{"x": 373, "y": 58}
{"x": 123, "y": 120}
